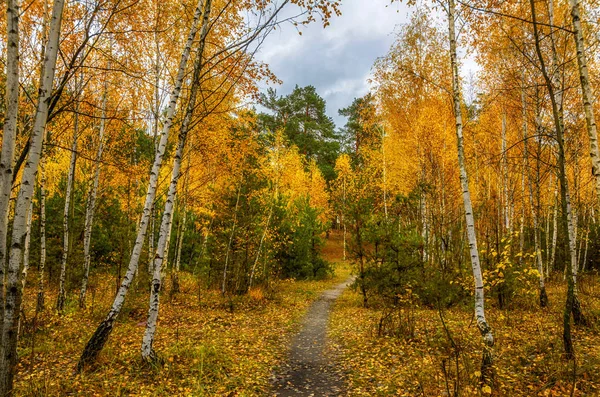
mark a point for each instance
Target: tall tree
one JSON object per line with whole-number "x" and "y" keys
{"x": 14, "y": 292}
{"x": 556, "y": 102}
{"x": 586, "y": 91}
{"x": 148, "y": 353}
{"x": 10, "y": 129}
{"x": 484, "y": 328}
{"x": 302, "y": 117}
{"x": 100, "y": 336}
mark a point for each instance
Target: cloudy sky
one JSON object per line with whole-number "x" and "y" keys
{"x": 336, "y": 60}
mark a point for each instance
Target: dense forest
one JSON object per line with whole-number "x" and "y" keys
{"x": 169, "y": 220}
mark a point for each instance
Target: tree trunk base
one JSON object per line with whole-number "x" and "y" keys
{"x": 95, "y": 345}
{"x": 543, "y": 297}
{"x": 153, "y": 360}
{"x": 487, "y": 369}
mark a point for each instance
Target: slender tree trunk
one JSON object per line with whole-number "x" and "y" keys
{"x": 148, "y": 353}
{"x": 260, "y": 245}
{"x": 505, "y": 199}
{"x": 587, "y": 240}
{"x": 554, "y": 228}
{"x": 12, "y": 302}
{"x": 60, "y": 300}
{"x": 578, "y": 316}
{"x": 586, "y": 92}
{"x": 182, "y": 229}
{"x": 41, "y": 293}
{"x": 543, "y": 296}
{"x": 26, "y": 258}
{"x": 10, "y": 130}
{"x": 175, "y": 288}
{"x": 151, "y": 242}
{"x": 91, "y": 205}
{"x": 100, "y": 336}
{"x": 484, "y": 328}
{"x": 344, "y": 216}
{"x": 565, "y": 198}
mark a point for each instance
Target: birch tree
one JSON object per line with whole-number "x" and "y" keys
{"x": 484, "y": 328}
{"x": 10, "y": 129}
{"x": 91, "y": 203}
{"x": 586, "y": 92}
{"x": 571, "y": 303}
{"x": 13, "y": 296}
{"x": 41, "y": 293}
{"x": 148, "y": 353}
{"x": 60, "y": 301}
{"x": 543, "y": 296}
{"x": 100, "y": 336}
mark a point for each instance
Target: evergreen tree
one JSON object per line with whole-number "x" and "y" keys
{"x": 301, "y": 115}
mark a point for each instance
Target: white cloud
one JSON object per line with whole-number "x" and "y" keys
{"x": 337, "y": 60}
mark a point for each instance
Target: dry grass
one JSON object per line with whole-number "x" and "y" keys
{"x": 212, "y": 346}
{"x": 421, "y": 360}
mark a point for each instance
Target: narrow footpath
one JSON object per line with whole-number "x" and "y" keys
{"x": 309, "y": 372}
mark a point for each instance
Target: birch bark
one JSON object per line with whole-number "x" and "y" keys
{"x": 586, "y": 92}
{"x": 543, "y": 296}
{"x": 91, "y": 205}
{"x": 484, "y": 328}
{"x": 565, "y": 198}
{"x": 100, "y": 336}
{"x": 41, "y": 293}
{"x": 148, "y": 353}
{"x": 10, "y": 129}
{"x": 60, "y": 301}
{"x": 12, "y": 301}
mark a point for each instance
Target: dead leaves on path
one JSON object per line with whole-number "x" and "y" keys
{"x": 528, "y": 352}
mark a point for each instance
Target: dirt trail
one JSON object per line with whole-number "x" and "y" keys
{"x": 308, "y": 371}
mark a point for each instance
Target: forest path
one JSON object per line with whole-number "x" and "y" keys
{"x": 309, "y": 371}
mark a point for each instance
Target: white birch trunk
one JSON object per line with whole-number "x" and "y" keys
{"x": 148, "y": 353}
{"x": 91, "y": 205}
{"x": 97, "y": 341}
{"x": 177, "y": 266}
{"x": 587, "y": 240}
{"x": 586, "y": 92}
{"x": 543, "y": 296}
{"x": 8, "y": 355}
{"x": 25, "y": 258}
{"x": 260, "y": 245}
{"x": 151, "y": 242}
{"x": 554, "y": 229}
{"x": 555, "y": 84}
{"x": 571, "y": 306}
{"x": 484, "y": 328}
{"x": 10, "y": 130}
{"x": 60, "y": 301}
{"x": 505, "y": 200}
{"x": 237, "y": 202}
{"x": 41, "y": 293}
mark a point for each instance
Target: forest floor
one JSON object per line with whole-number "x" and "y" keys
{"x": 212, "y": 346}
{"x": 417, "y": 356}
